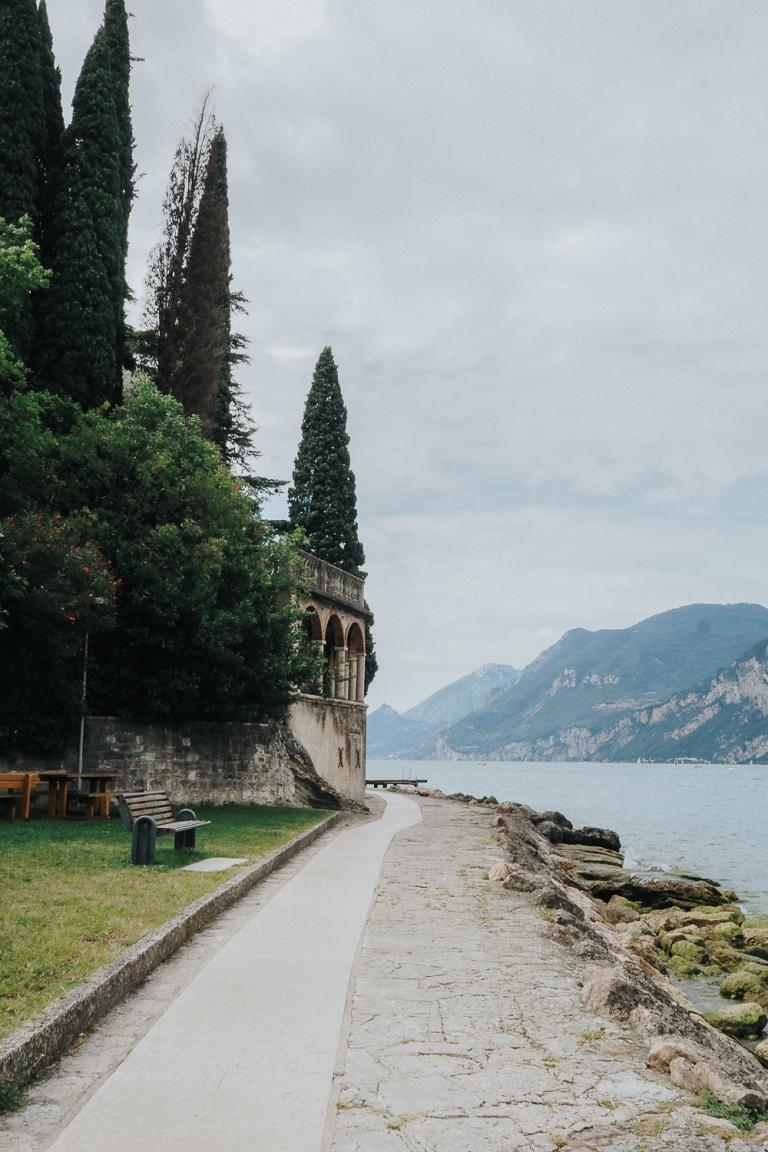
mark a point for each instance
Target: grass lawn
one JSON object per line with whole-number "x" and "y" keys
{"x": 72, "y": 901}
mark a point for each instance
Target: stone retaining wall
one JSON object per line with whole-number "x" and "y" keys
{"x": 202, "y": 763}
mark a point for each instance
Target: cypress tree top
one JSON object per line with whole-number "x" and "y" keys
{"x": 22, "y": 116}
{"x": 322, "y": 498}
{"x": 54, "y": 135}
{"x": 82, "y": 326}
{"x": 204, "y": 373}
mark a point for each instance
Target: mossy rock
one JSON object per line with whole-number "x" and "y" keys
{"x": 705, "y": 917}
{"x": 725, "y": 955}
{"x": 743, "y": 985}
{"x": 753, "y": 964}
{"x": 626, "y": 903}
{"x": 730, "y": 932}
{"x": 683, "y": 969}
{"x": 711, "y": 970}
{"x": 668, "y": 940}
{"x": 756, "y": 937}
{"x": 689, "y": 951}
{"x": 744, "y": 1021}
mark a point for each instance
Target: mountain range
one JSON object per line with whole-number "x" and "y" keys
{"x": 413, "y": 734}
{"x": 691, "y": 682}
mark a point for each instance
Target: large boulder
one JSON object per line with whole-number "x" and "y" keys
{"x": 657, "y": 890}
{"x": 744, "y": 1021}
{"x": 552, "y": 818}
{"x": 598, "y": 838}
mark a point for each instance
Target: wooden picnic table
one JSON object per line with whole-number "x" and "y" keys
{"x": 60, "y": 783}
{"x": 21, "y": 784}
{"x": 57, "y": 780}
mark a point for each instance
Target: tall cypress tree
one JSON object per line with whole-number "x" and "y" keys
{"x": 51, "y": 157}
{"x": 169, "y": 262}
{"x": 22, "y": 116}
{"x": 118, "y": 39}
{"x": 22, "y": 133}
{"x": 205, "y": 344}
{"x": 206, "y": 318}
{"x": 322, "y": 498}
{"x": 82, "y": 329}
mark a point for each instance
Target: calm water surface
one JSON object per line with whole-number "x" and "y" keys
{"x": 708, "y": 819}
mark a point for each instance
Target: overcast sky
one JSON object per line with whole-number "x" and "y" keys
{"x": 535, "y": 233}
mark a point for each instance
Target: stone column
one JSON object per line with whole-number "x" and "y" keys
{"x": 360, "y": 678}
{"x": 320, "y": 647}
{"x": 340, "y": 685}
{"x": 352, "y": 664}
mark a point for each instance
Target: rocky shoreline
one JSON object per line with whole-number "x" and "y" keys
{"x": 636, "y": 930}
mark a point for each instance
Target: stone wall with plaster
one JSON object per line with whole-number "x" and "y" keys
{"x": 333, "y": 732}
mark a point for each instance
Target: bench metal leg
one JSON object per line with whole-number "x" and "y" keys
{"x": 144, "y": 841}
{"x": 185, "y": 839}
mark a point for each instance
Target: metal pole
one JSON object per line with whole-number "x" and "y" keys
{"x": 83, "y": 700}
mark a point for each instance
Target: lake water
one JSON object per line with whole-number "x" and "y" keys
{"x": 708, "y": 819}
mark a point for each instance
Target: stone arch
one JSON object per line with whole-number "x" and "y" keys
{"x": 355, "y": 639}
{"x": 313, "y": 625}
{"x": 313, "y": 630}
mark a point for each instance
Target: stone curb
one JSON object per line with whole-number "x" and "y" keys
{"x": 35, "y": 1045}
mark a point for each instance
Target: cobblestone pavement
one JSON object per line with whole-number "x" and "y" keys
{"x": 467, "y": 1032}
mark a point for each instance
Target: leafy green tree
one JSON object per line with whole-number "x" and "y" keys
{"x": 20, "y": 274}
{"x": 81, "y": 341}
{"x": 206, "y": 624}
{"x": 53, "y": 586}
{"x": 322, "y": 499}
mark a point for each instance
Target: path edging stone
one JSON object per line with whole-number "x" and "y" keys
{"x": 36, "y": 1045}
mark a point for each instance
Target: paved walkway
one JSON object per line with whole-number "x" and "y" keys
{"x": 467, "y": 1029}
{"x": 244, "y": 1057}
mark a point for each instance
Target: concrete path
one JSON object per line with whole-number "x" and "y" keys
{"x": 243, "y": 1058}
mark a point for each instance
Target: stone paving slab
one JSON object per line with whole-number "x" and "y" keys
{"x": 214, "y": 864}
{"x": 467, "y": 1032}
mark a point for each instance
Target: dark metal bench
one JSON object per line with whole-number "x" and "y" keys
{"x": 149, "y": 815}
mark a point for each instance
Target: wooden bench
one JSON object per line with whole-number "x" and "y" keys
{"x": 149, "y": 815}
{"x": 19, "y": 784}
